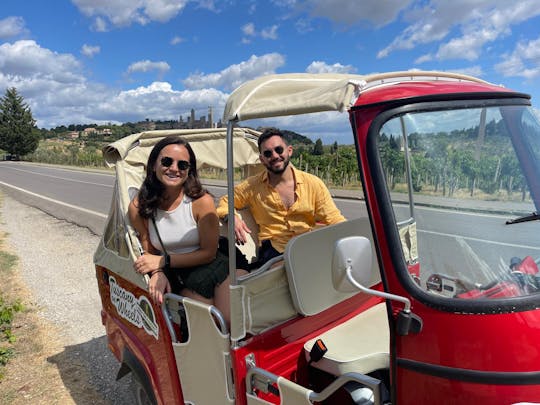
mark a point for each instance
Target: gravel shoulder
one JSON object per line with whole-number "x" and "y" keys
{"x": 65, "y": 357}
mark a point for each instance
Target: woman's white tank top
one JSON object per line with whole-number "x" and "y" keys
{"x": 177, "y": 228}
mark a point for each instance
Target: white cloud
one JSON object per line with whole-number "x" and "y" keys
{"x": 303, "y": 26}
{"x": 323, "y": 67}
{"x": 524, "y": 61}
{"x": 249, "y": 29}
{"x": 57, "y": 92}
{"x": 177, "y": 40}
{"x": 424, "y": 58}
{"x": 479, "y": 22}
{"x": 350, "y": 12}
{"x": 250, "y": 32}
{"x": 26, "y": 58}
{"x": 12, "y": 26}
{"x": 475, "y": 71}
{"x": 160, "y": 101}
{"x": 126, "y": 12}
{"x": 270, "y": 32}
{"x": 147, "y": 66}
{"x": 89, "y": 50}
{"x": 100, "y": 25}
{"x": 234, "y": 75}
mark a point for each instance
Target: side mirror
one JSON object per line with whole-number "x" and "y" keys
{"x": 351, "y": 271}
{"x": 352, "y": 253}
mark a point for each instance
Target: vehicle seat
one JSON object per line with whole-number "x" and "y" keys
{"x": 360, "y": 344}
{"x": 206, "y": 344}
{"x": 308, "y": 261}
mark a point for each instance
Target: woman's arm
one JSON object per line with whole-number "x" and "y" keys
{"x": 150, "y": 261}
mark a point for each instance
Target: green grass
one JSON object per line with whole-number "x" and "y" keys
{"x": 7, "y": 261}
{"x": 7, "y": 312}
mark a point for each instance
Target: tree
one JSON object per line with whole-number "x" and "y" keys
{"x": 318, "y": 148}
{"x": 16, "y": 125}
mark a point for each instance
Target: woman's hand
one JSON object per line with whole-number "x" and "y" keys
{"x": 148, "y": 263}
{"x": 158, "y": 286}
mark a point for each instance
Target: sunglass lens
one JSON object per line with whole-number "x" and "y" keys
{"x": 166, "y": 161}
{"x": 268, "y": 153}
{"x": 183, "y": 165}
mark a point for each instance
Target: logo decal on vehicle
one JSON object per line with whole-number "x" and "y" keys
{"x": 137, "y": 311}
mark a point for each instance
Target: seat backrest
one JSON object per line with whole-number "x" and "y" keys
{"x": 308, "y": 262}
{"x": 250, "y": 248}
{"x": 205, "y": 343}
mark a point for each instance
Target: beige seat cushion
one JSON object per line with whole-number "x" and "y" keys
{"x": 360, "y": 344}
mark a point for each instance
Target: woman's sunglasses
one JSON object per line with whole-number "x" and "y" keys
{"x": 167, "y": 161}
{"x": 268, "y": 152}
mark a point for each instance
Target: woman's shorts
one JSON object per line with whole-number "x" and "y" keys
{"x": 203, "y": 279}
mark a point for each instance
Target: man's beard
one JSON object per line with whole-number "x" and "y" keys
{"x": 270, "y": 168}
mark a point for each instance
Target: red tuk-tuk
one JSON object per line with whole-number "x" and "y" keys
{"x": 429, "y": 293}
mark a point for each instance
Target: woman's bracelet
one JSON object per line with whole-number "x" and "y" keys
{"x": 155, "y": 272}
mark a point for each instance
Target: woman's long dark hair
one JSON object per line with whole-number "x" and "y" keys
{"x": 151, "y": 192}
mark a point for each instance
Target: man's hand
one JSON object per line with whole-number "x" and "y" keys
{"x": 240, "y": 230}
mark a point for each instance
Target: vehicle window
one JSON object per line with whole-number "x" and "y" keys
{"x": 114, "y": 234}
{"x": 462, "y": 201}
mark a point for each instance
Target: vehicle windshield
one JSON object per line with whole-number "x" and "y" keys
{"x": 464, "y": 185}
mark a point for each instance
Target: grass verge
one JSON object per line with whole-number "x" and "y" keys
{"x": 9, "y": 307}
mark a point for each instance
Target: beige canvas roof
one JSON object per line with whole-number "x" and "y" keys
{"x": 303, "y": 93}
{"x": 209, "y": 145}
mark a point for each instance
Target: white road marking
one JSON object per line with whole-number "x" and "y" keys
{"x": 54, "y": 201}
{"x": 62, "y": 178}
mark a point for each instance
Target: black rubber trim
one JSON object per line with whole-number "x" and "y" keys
{"x": 472, "y": 376}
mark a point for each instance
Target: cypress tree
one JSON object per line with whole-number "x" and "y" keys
{"x": 17, "y": 135}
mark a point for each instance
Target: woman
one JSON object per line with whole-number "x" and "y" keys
{"x": 185, "y": 244}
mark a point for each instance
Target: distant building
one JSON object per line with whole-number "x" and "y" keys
{"x": 89, "y": 131}
{"x": 202, "y": 122}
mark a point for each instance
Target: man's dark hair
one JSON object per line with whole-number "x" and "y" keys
{"x": 268, "y": 133}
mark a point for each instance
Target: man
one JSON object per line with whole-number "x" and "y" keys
{"x": 283, "y": 200}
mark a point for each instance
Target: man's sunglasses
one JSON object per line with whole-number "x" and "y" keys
{"x": 268, "y": 152}
{"x": 167, "y": 161}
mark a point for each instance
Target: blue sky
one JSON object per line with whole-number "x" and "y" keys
{"x": 101, "y": 61}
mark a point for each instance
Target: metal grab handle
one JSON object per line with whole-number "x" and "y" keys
{"x": 216, "y": 313}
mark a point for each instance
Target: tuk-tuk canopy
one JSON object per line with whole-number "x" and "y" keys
{"x": 208, "y": 144}
{"x": 129, "y": 157}
{"x": 303, "y": 93}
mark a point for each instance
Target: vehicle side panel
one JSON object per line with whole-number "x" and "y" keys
{"x": 155, "y": 355}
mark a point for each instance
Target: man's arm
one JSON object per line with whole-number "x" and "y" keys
{"x": 241, "y": 200}
{"x": 326, "y": 210}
